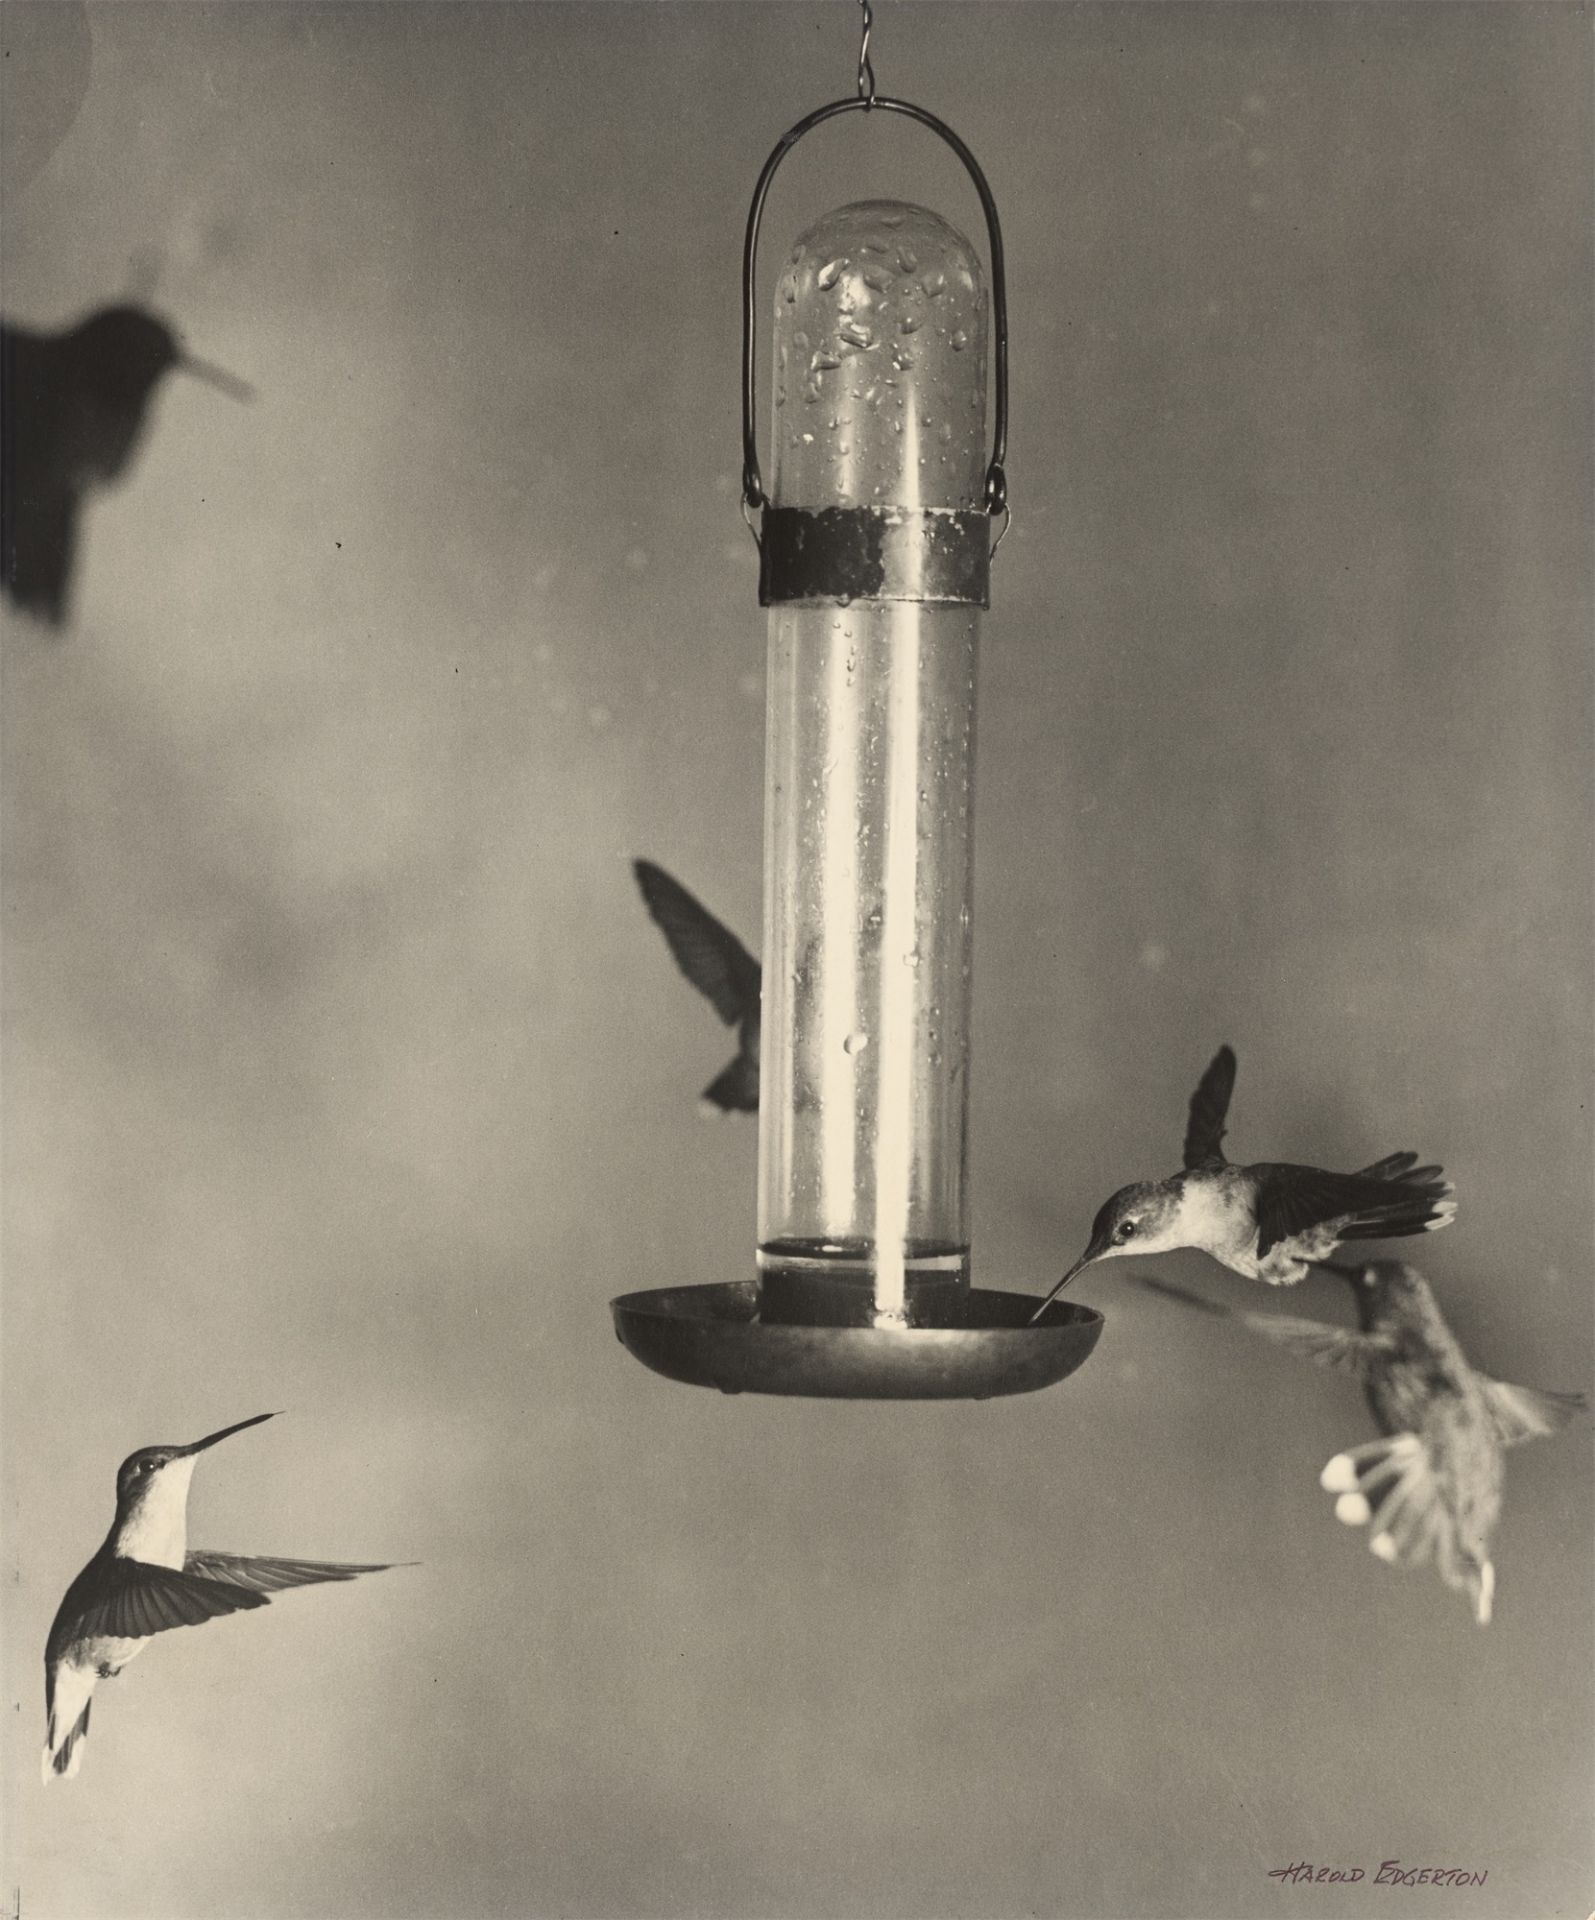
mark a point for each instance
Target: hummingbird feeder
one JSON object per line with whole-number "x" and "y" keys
{"x": 875, "y": 562}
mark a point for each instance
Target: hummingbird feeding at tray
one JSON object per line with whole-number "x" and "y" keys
{"x": 723, "y": 971}
{"x": 1431, "y": 1486}
{"x": 74, "y": 406}
{"x": 145, "y": 1580}
{"x": 1271, "y": 1221}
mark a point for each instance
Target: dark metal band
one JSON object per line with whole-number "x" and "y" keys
{"x": 872, "y": 553}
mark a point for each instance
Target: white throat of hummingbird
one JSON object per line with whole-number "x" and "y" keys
{"x": 155, "y": 1527}
{"x": 152, "y": 1504}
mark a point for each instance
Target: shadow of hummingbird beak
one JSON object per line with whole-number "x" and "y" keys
{"x": 235, "y": 389}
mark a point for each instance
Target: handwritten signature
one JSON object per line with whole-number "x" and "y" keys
{"x": 1391, "y": 1874}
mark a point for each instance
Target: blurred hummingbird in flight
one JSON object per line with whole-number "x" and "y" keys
{"x": 1431, "y": 1486}
{"x": 1271, "y": 1221}
{"x": 723, "y": 971}
{"x": 74, "y": 406}
{"x": 145, "y": 1580}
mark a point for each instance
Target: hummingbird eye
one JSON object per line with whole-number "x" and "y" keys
{"x": 1124, "y": 1229}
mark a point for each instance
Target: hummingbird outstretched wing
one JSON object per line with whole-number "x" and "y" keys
{"x": 709, "y": 954}
{"x": 1342, "y": 1348}
{"x": 131, "y": 1599}
{"x": 1204, "y": 1130}
{"x": 254, "y": 1574}
{"x": 1292, "y": 1200}
{"x": 1526, "y": 1413}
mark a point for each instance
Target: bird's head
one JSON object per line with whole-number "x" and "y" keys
{"x": 1383, "y": 1287}
{"x": 1142, "y": 1218}
{"x": 123, "y": 351}
{"x": 163, "y": 1473}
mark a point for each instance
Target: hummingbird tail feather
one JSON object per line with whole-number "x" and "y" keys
{"x": 64, "y": 1760}
{"x": 1422, "y": 1200}
{"x": 1389, "y": 1486}
{"x": 737, "y": 1089}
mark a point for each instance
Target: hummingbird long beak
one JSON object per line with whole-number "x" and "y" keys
{"x": 218, "y": 377}
{"x": 1084, "y": 1261}
{"x": 238, "y": 1426}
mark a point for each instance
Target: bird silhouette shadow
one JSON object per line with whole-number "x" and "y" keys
{"x": 74, "y": 409}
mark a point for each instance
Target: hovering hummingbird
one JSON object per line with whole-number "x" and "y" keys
{"x": 723, "y": 971}
{"x": 144, "y": 1580}
{"x": 1271, "y": 1221}
{"x": 74, "y": 406}
{"x": 1432, "y": 1485}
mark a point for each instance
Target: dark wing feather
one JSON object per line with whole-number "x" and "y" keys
{"x": 130, "y": 1599}
{"x": 709, "y": 954}
{"x": 1204, "y": 1130}
{"x": 259, "y": 1575}
{"x": 1292, "y": 1199}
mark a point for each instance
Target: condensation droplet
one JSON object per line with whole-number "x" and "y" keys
{"x": 959, "y": 341}
{"x": 910, "y": 323}
{"x": 855, "y": 1043}
{"x": 856, "y": 334}
{"x": 829, "y": 273}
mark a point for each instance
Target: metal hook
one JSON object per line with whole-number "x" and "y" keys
{"x": 866, "y": 71}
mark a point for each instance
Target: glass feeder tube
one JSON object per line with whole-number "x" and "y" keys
{"x": 875, "y": 568}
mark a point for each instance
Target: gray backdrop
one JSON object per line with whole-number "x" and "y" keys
{"x": 345, "y": 1073}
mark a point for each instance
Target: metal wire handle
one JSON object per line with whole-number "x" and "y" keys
{"x": 753, "y": 494}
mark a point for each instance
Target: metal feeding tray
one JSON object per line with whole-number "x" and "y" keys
{"x": 713, "y": 1337}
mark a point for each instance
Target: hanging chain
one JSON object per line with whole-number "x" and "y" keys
{"x": 866, "y": 72}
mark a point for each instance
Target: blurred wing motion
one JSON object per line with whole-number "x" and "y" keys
{"x": 721, "y": 968}
{"x": 249, "y": 1575}
{"x": 1385, "y": 1201}
{"x": 1204, "y": 1130}
{"x": 1526, "y": 1413}
{"x": 1342, "y": 1348}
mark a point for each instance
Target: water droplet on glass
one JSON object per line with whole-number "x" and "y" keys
{"x": 877, "y": 279}
{"x": 959, "y": 341}
{"x": 855, "y": 1043}
{"x": 935, "y": 285}
{"x": 907, "y": 260}
{"x": 856, "y": 334}
{"x": 828, "y": 274}
{"x": 910, "y": 323}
